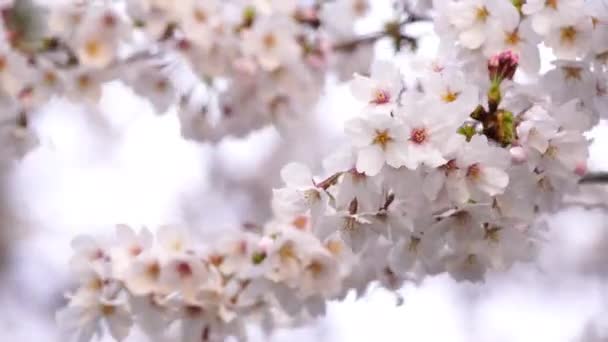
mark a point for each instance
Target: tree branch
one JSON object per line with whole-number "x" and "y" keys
{"x": 595, "y": 178}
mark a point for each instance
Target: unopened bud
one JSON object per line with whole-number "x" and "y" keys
{"x": 581, "y": 169}
{"x": 503, "y": 66}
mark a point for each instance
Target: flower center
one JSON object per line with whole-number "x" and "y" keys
{"x": 311, "y": 196}
{"x": 492, "y": 234}
{"x": 360, "y": 7}
{"x": 568, "y": 34}
{"x": 50, "y": 78}
{"x": 300, "y": 222}
{"x": 474, "y": 171}
{"x": 381, "y": 97}
{"x": 413, "y": 245}
{"x": 162, "y": 85}
{"x": 315, "y": 268}
{"x": 153, "y": 270}
{"x": 270, "y": 41}
{"x": 481, "y": 13}
{"x": 184, "y": 270}
{"x": 108, "y": 310}
{"x": 512, "y": 38}
{"x": 286, "y": 252}
{"x": 200, "y": 16}
{"x": 84, "y": 81}
{"x": 572, "y": 72}
{"x": 551, "y": 151}
{"x": 382, "y": 138}
{"x": 551, "y": 3}
{"x": 335, "y": 247}
{"x": 450, "y": 96}
{"x": 93, "y": 48}
{"x": 418, "y": 136}
{"x": 135, "y": 250}
{"x": 450, "y": 166}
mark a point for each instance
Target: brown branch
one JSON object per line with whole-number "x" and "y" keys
{"x": 391, "y": 30}
{"x": 594, "y": 178}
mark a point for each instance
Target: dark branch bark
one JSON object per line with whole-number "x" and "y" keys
{"x": 595, "y": 178}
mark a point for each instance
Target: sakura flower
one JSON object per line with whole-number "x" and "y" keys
{"x": 420, "y": 246}
{"x": 83, "y": 319}
{"x": 518, "y": 38}
{"x": 174, "y": 239}
{"x": 598, "y": 11}
{"x": 156, "y": 86}
{"x": 201, "y": 19}
{"x": 379, "y": 139}
{"x": 88, "y": 251}
{"x": 515, "y": 203}
{"x": 564, "y": 154}
{"x": 568, "y": 80}
{"x": 473, "y": 19}
{"x": 142, "y": 276}
{"x": 448, "y": 92}
{"x": 546, "y": 13}
{"x": 536, "y": 129}
{"x": 233, "y": 254}
{"x": 185, "y": 274}
{"x": 382, "y": 88}
{"x": 130, "y": 245}
{"x": 353, "y": 227}
{"x": 571, "y": 38}
{"x": 470, "y": 265}
{"x": 463, "y": 228}
{"x": 96, "y": 47}
{"x": 272, "y": 43}
{"x": 475, "y": 172}
{"x": 300, "y": 194}
{"x": 428, "y": 135}
{"x": 85, "y": 84}
{"x": 574, "y": 115}
{"x": 320, "y": 273}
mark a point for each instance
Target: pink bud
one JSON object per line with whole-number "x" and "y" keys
{"x": 581, "y": 169}
{"x": 503, "y": 65}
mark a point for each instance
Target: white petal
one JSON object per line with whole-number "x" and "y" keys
{"x": 457, "y": 190}
{"x": 360, "y": 132}
{"x": 473, "y": 37}
{"x": 493, "y": 181}
{"x": 432, "y": 184}
{"x": 370, "y": 160}
{"x": 119, "y": 324}
{"x": 296, "y": 175}
{"x": 362, "y": 87}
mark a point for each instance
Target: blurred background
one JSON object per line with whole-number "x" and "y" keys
{"x": 124, "y": 164}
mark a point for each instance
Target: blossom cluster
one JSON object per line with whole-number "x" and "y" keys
{"x": 449, "y": 172}
{"x": 212, "y": 290}
{"x": 227, "y": 67}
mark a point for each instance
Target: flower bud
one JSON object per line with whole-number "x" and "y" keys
{"x": 581, "y": 169}
{"x": 503, "y": 66}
